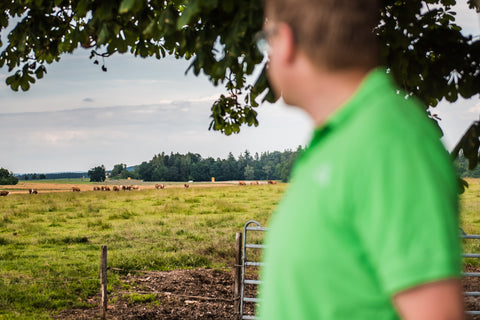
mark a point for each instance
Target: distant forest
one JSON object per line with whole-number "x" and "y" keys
{"x": 461, "y": 166}
{"x": 274, "y": 165}
{"x": 191, "y": 166}
{"x": 60, "y": 175}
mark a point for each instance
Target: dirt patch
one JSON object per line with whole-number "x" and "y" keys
{"x": 472, "y": 284}
{"x": 178, "y": 294}
{"x": 193, "y": 294}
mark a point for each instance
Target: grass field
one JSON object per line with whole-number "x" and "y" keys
{"x": 50, "y": 242}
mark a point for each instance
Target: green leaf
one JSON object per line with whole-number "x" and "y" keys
{"x": 126, "y": 5}
{"x": 191, "y": 10}
{"x": 40, "y": 72}
{"x": 10, "y": 80}
{"x": 228, "y": 5}
{"x": 103, "y": 35}
{"x": 24, "y": 84}
{"x": 82, "y": 7}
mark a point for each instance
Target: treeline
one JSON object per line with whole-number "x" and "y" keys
{"x": 60, "y": 175}
{"x": 191, "y": 166}
{"x": 7, "y": 177}
{"x": 461, "y": 166}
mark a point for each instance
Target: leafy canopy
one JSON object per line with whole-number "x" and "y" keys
{"x": 422, "y": 46}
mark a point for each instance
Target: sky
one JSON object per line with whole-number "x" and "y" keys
{"x": 78, "y": 117}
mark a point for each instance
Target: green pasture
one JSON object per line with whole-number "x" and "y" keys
{"x": 50, "y": 243}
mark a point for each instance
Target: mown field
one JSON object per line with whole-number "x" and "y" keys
{"x": 50, "y": 242}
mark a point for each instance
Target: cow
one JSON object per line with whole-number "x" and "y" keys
{"x": 272, "y": 182}
{"x": 106, "y": 188}
{"x": 159, "y": 186}
{"x": 116, "y": 188}
{"x": 4, "y": 193}
{"x": 75, "y": 189}
{"x": 96, "y": 188}
{"x": 253, "y": 183}
{"x": 242, "y": 183}
{"x": 135, "y": 187}
{"x": 32, "y": 191}
{"x": 186, "y": 185}
{"x": 123, "y": 187}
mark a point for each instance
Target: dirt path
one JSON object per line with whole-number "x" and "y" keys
{"x": 179, "y": 295}
{"x": 194, "y": 294}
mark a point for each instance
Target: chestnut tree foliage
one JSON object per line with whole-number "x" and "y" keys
{"x": 422, "y": 46}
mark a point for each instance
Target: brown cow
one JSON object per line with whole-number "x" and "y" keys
{"x": 75, "y": 189}
{"x": 254, "y": 183}
{"x": 4, "y": 193}
{"x": 116, "y": 188}
{"x": 186, "y": 185}
{"x": 32, "y": 191}
{"x": 96, "y": 188}
{"x": 242, "y": 183}
{"x": 272, "y": 182}
{"x": 159, "y": 186}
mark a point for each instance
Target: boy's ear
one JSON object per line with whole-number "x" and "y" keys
{"x": 286, "y": 43}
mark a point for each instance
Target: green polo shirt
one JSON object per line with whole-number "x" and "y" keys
{"x": 372, "y": 210}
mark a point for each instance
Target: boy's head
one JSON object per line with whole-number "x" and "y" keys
{"x": 333, "y": 34}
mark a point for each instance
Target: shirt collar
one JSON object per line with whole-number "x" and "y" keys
{"x": 371, "y": 84}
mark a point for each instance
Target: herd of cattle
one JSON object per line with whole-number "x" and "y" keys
{"x": 4, "y": 193}
{"x": 243, "y": 183}
{"x": 130, "y": 187}
{"x": 114, "y": 188}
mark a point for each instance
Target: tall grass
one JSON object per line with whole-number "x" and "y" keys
{"x": 50, "y": 242}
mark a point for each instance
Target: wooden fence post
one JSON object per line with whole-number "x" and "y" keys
{"x": 103, "y": 283}
{"x": 238, "y": 273}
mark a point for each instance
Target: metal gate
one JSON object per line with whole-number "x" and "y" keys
{"x": 471, "y": 274}
{"x": 254, "y": 226}
{"x": 250, "y": 226}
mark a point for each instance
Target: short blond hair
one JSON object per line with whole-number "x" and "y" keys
{"x": 336, "y": 34}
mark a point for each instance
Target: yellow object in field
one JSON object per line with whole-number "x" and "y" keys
{"x": 213, "y": 179}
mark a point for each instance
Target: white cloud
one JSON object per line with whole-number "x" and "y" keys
{"x": 467, "y": 18}
{"x": 74, "y": 140}
{"x": 475, "y": 109}
{"x": 59, "y": 137}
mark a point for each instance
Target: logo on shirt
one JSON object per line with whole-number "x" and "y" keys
{"x": 323, "y": 174}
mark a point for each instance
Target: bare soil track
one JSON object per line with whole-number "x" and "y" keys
{"x": 180, "y": 295}
{"x": 194, "y": 294}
